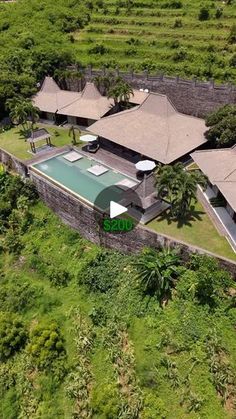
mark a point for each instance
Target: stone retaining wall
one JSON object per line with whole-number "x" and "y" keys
{"x": 188, "y": 96}
{"x": 82, "y": 218}
{"x": 12, "y": 163}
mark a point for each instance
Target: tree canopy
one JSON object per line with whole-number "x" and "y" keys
{"x": 222, "y": 126}
{"x": 178, "y": 186}
{"x": 35, "y": 42}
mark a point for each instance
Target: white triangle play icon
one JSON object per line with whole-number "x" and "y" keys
{"x": 116, "y": 209}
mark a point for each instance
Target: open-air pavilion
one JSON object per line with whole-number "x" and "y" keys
{"x": 39, "y": 135}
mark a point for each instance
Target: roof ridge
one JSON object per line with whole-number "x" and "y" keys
{"x": 234, "y": 170}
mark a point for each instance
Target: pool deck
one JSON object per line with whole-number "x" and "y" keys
{"x": 54, "y": 151}
{"x": 112, "y": 160}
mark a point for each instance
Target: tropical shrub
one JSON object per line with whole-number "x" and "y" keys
{"x": 102, "y": 273}
{"x": 222, "y": 126}
{"x": 13, "y": 334}
{"x": 204, "y": 13}
{"x": 46, "y": 344}
{"x": 17, "y": 296}
{"x": 157, "y": 272}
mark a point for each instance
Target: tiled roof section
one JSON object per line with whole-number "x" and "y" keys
{"x": 220, "y": 167}
{"x": 154, "y": 129}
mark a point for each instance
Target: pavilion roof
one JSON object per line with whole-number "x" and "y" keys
{"x": 38, "y": 134}
{"x": 154, "y": 129}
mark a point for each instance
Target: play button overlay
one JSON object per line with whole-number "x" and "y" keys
{"x": 117, "y": 210}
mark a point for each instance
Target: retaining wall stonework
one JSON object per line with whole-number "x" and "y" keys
{"x": 84, "y": 219}
{"x": 12, "y": 163}
{"x": 191, "y": 97}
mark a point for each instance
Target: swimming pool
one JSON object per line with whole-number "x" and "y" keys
{"x": 73, "y": 176}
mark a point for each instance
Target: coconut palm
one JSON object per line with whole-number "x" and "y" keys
{"x": 178, "y": 186}
{"x": 21, "y": 111}
{"x": 157, "y": 272}
{"x": 120, "y": 92}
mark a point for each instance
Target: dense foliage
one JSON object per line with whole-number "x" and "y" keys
{"x": 46, "y": 344}
{"x": 41, "y": 38}
{"x": 102, "y": 345}
{"x": 178, "y": 187}
{"x": 12, "y": 334}
{"x": 222, "y": 126}
{"x": 35, "y": 41}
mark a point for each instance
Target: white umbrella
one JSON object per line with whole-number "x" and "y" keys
{"x": 145, "y": 166}
{"x": 88, "y": 138}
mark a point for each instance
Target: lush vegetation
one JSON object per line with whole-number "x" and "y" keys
{"x": 95, "y": 333}
{"x": 222, "y": 127}
{"x": 36, "y": 41}
{"x": 175, "y": 37}
{"x": 178, "y": 187}
{"x": 178, "y": 37}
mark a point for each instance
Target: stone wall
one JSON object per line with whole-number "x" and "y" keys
{"x": 188, "y": 96}
{"x": 12, "y": 163}
{"x": 82, "y": 218}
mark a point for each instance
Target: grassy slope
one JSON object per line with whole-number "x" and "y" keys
{"x": 57, "y": 244}
{"x": 152, "y": 26}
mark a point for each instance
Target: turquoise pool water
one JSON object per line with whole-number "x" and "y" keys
{"x": 74, "y": 176}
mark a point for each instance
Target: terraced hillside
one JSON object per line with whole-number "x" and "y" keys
{"x": 167, "y": 36}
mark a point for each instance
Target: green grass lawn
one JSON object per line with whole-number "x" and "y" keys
{"x": 198, "y": 230}
{"x": 13, "y": 142}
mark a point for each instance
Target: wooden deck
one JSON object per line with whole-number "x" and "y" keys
{"x": 113, "y": 160}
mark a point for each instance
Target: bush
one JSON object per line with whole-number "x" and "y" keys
{"x": 232, "y": 35}
{"x": 16, "y": 296}
{"x": 102, "y": 273}
{"x": 204, "y": 14}
{"x": 177, "y": 23}
{"x": 46, "y": 344}
{"x": 154, "y": 407}
{"x": 12, "y": 334}
{"x": 219, "y": 13}
{"x": 105, "y": 401}
{"x": 99, "y": 49}
{"x": 57, "y": 276}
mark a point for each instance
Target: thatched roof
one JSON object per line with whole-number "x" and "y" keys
{"x": 86, "y": 104}
{"x": 154, "y": 129}
{"x": 51, "y": 98}
{"x": 90, "y": 104}
{"x": 38, "y": 134}
{"x": 220, "y": 167}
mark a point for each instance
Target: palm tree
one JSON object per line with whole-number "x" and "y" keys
{"x": 21, "y": 111}
{"x": 120, "y": 92}
{"x": 178, "y": 186}
{"x": 157, "y": 272}
{"x": 72, "y": 134}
